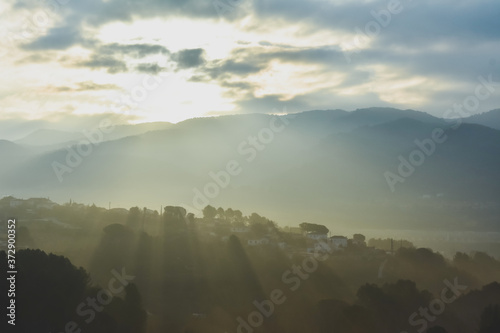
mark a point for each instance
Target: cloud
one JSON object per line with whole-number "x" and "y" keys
{"x": 443, "y": 46}
{"x": 232, "y": 67}
{"x": 114, "y": 57}
{"x": 35, "y": 58}
{"x": 92, "y": 86}
{"x": 58, "y": 38}
{"x": 189, "y": 58}
{"x": 136, "y": 51}
{"x": 111, "y": 64}
{"x": 152, "y": 69}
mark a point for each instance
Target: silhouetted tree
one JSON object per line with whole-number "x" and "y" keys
{"x": 311, "y": 227}
{"x": 114, "y": 250}
{"x": 134, "y": 316}
{"x": 229, "y": 214}
{"x": 221, "y": 213}
{"x": 359, "y": 238}
{"x": 209, "y": 212}
{"x": 48, "y": 290}
{"x": 134, "y": 218}
{"x": 490, "y": 319}
{"x": 238, "y": 216}
{"x": 436, "y": 329}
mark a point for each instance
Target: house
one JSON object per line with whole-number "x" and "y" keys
{"x": 40, "y": 203}
{"x": 15, "y": 203}
{"x": 338, "y": 242}
{"x": 319, "y": 247}
{"x": 241, "y": 229}
{"x": 317, "y": 235}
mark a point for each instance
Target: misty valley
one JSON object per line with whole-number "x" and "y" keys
{"x": 84, "y": 268}
{"x": 375, "y": 220}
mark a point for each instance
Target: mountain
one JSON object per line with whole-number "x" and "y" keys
{"x": 490, "y": 119}
{"x": 326, "y": 167}
{"x": 51, "y": 139}
{"x": 12, "y": 155}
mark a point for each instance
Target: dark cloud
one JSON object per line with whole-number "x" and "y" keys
{"x": 95, "y": 13}
{"x": 189, "y": 58}
{"x": 113, "y": 57}
{"x": 59, "y": 38}
{"x": 238, "y": 85}
{"x": 111, "y": 64}
{"x": 133, "y": 50}
{"x": 329, "y": 55}
{"x": 231, "y": 67}
{"x": 152, "y": 69}
{"x": 418, "y": 21}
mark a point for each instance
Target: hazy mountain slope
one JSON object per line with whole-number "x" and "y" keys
{"x": 490, "y": 119}
{"x": 312, "y": 168}
{"x": 12, "y": 156}
{"x": 374, "y": 116}
{"x": 49, "y": 137}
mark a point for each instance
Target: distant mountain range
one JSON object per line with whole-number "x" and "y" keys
{"x": 490, "y": 119}
{"x": 383, "y": 166}
{"x": 50, "y": 139}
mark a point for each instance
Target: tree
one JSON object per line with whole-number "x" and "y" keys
{"x": 174, "y": 219}
{"x": 490, "y": 319}
{"x": 229, "y": 214}
{"x": 359, "y": 238}
{"x": 461, "y": 258}
{"x": 311, "y": 227}
{"x": 220, "y": 213}
{"x": 134, "y": 315}
{"x": 133, "y": 218}
{"x": 190, "y": 217}
{"x": 48, "y": 291}
{"x": 238, "y": 216}
{"x": 436, "y": 329}
{"x": 209, "y": 212}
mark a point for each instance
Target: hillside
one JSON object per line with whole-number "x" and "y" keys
{"x": 319, "y": 165}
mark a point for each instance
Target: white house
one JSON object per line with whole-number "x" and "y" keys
{"x": 239, "y": 229}
{"x": 317, "y": 235}
{"x": 16, "y": 203}
{"x": 338, "y": 242}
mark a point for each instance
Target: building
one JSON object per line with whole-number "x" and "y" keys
{"x": 317, "y": 235}
{"x": 15, "y": 203}
{"x": 39, "y": 203}
{"x": 338, "y": 242}
{"x": 241, "y": 229}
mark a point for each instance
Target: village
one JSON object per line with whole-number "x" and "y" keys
{"x": 253, "y": 231}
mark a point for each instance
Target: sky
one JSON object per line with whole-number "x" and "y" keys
{"x": 170, "y": 60}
